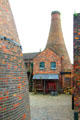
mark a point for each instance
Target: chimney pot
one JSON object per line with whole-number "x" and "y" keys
{"x": 55, "y": 12}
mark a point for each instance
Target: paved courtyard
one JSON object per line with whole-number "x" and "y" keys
{"x": 47, "y": 107}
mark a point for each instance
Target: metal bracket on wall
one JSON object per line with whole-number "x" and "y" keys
{"x": 12, "y": 41}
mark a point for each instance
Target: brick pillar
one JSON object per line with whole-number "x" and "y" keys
{"x": 77, "y": 63}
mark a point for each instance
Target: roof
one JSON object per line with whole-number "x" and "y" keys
{"x": 46, "y": 76}
{"x": 30, "y": 55}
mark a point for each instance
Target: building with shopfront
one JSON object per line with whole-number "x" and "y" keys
{"x": 51, "y": 69}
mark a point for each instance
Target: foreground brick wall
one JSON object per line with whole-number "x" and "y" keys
{"x": 46, "y": 56}
{"x": 14, "y": 95}
{"x": 77, "y": 62}
{"x": 14, "y": 101}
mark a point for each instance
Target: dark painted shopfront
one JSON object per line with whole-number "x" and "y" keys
{"x": 46, "y": 83}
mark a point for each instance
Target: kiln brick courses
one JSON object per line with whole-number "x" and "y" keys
{"x": 14, "y": 95}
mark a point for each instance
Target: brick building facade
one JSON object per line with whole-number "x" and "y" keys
{"x": 57, "y": 45}
{"x": 56, "y": 79}
{"x": 54, "y": 55}
{"x": 52, "y": 82}
{"x": 47, "y": 56}
{"x": 28, "y": 60}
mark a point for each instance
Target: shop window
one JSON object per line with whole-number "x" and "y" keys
{"x": 42, "y": 65}
{"x": 53, "y": 65}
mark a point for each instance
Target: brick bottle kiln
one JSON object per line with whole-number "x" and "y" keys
{"x": 14, "y": 99}
{"x": 77, "y": 65}
{"x": 56, "y": 41}
{"x": 52, "y": 66}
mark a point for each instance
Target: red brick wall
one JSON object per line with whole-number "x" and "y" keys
{"x": 14, "y": 95}
{"x": 66, "y": 80}
{"x": 7, "y": 24}
{"x": 46, "y": 56}
{"x": 76, "y": 67}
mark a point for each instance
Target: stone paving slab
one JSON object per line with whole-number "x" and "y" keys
{"x": 47, "y": 107}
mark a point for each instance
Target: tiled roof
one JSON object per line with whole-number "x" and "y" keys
{"x": 30, "y": 55}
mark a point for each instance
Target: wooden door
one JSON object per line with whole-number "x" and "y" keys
{"x": 51, "y": 86}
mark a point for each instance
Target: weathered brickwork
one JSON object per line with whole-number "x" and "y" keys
{"x": 7, "y": 25}
{"x": 12, "y": 83}
{"x": 66, "y": 80}
{"x": 47, "y": 56}
{"x": 14, "y": 97}
{"x": 77, "y": 62}
{"x": 56, "y": 41}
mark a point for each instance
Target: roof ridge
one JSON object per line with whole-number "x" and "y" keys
{"x": 31, "y": 53}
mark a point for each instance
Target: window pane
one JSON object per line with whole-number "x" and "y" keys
{"x": 42, "y": 65}
{"x": 26, "y": 65}
{"x": 53, "y": 65}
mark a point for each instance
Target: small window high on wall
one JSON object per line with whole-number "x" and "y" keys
{"x": 53, "y": 65}
{"x": 42, "y": 65}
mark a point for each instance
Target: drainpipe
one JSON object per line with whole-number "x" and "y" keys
{"x": 61, "y": 71}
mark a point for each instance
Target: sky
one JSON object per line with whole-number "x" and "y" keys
{"x": 33, "y": 18}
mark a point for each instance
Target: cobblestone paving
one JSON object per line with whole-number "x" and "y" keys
{"x": 47, "y": 107}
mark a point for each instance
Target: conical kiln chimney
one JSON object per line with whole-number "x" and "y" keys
{"x": 7, "y": 25}
{"x": 56, "y": 41}
{"x": 14, "y": 98}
